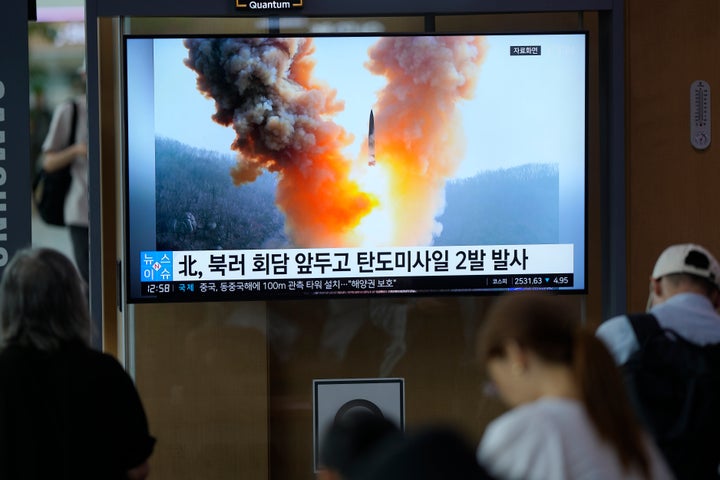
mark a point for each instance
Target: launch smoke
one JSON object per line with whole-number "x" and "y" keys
{"x": 264, "y": 88}
{"x": 417, "y": 125}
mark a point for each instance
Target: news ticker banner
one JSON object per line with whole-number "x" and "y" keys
{"x": 297, "y": 272}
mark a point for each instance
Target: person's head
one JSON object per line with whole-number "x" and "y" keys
{"x": 432, "y": 452}
{"x": 683, "y": 268}
{"x": 527, "y": 345}
{"x": 534, "y": 345}
{"x": 350, "y": 439}
{"x": 43, "y": 301}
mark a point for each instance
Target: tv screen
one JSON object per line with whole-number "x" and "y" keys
{"x": 348, "y": 165}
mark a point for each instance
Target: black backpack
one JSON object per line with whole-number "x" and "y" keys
{"x": 675, "y": 387}
{"x": 51, "y": 188}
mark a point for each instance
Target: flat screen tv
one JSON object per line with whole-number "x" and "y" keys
{"x": 308, "y": 166}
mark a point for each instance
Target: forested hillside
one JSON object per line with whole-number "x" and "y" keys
{"x": 517, "y": 205}
{"x": 199, "y": 208}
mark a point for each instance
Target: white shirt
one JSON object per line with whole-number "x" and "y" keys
{"x": 554, "y": 439}
{"x": 691, "y": 315}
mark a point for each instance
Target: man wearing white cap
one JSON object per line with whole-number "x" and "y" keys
{"x": 684, "y": 296}
{"x": 670, "y": 357}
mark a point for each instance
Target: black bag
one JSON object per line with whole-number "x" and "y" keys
{"x": 675, "y": 387}
{"x": 51, "y": 188}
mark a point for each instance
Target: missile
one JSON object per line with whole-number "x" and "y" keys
{"x": 371, "y": 139}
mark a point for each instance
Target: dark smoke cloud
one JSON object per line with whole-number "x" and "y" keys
{"x": 264, "y": 89}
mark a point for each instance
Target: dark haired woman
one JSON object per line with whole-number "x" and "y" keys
{"x": 66, "y": 410}
{"x": 570, "y": 416}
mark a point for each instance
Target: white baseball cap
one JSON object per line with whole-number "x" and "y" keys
{"x": 688, "y": 258}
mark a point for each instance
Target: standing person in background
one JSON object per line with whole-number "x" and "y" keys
{"x": 570, "y": 417}
{"x": 58, "y": 153}
{"x": 671, "y": 359}
{"x": 66, "y": 410}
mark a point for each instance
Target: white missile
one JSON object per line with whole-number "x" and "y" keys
{"x": 371, "y": 139}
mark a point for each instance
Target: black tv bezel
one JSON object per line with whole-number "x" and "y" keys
{"x": 127, "y": 271}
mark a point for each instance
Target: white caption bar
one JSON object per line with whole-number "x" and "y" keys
{"x": 356, "y": 262}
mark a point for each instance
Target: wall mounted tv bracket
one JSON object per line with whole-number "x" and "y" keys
{"x": 700, "y": 126}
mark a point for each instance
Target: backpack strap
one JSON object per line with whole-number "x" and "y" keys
{"x": 73, "y": 119}
{"x": 645, "y": 326}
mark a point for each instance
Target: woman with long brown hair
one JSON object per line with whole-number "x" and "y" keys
{"x": 570, "y": 417}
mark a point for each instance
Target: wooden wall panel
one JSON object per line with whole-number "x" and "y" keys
{"x": 202, "y": 374}
{"x": 672, "y": 189}
{"x": 429, "y": 342}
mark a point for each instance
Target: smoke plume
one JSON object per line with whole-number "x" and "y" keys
{"x": 264, "y": 89}
{"x": 418, "y": 132}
